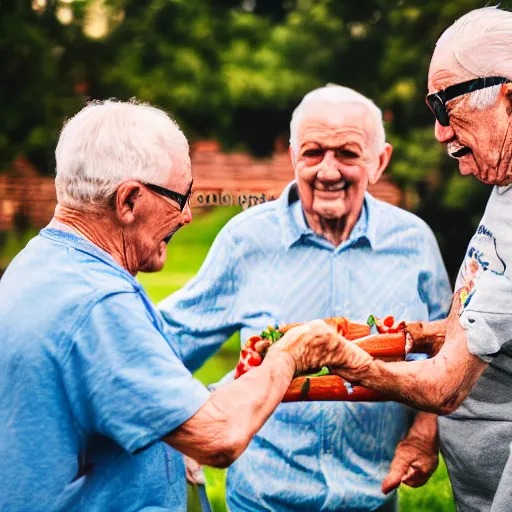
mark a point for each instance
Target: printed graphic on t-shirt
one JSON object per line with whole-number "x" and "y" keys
{"x": 482, "y": 255}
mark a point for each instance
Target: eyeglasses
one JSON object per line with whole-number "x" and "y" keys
{"x": 437, "y": 101}
{"x": 181, "y": 199}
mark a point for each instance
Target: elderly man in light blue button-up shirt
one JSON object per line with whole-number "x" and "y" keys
{"x": 325, "y": 248}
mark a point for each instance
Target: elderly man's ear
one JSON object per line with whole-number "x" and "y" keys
{"x": 126, "y": 201}
{"x": 384, "y": 158}
{"x": 291, "y": 153}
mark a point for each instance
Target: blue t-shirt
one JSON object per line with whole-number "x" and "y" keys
{"x": 90, "y": 384}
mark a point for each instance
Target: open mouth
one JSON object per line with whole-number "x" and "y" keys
{"x": 167, "y": 239}
{"x": 456, "y": 150}
{"x": 337, "y": 187}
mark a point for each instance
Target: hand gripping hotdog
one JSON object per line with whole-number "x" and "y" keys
{"x": 393, "y": 341}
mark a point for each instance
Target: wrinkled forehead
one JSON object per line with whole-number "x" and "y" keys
{"x": 330, "y": 119}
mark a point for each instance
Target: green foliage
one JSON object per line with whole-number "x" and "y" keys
{"x": 234, "y": 70}
{"x": 272, "y": 334}
{"x": 11, "y": 244}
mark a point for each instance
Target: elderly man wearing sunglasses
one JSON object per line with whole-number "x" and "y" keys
{"x": 95, "y": 401}
{"x": 471, "y": 377}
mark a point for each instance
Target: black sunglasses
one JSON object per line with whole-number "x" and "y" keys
{"x": 437, "y": 101}
{"x": 181, "y": 199}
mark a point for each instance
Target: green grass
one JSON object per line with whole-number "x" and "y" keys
{"x": 186, "y": 253}
{"x": 12, "y": 243}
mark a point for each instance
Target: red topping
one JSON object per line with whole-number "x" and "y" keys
{"x": 252, "y": 341}
{"x": 389, "y": 321}
{"x": 249, "y": 358}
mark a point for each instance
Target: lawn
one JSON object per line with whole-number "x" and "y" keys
{"x": 186, "y": 253}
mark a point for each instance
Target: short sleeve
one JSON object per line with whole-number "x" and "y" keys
{"x": 487, "y": 318}
{"x": 123, "y": 379}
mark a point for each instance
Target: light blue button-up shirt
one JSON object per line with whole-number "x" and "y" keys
{"x": 266, "y": 267}
{"x": 89, "y": 385}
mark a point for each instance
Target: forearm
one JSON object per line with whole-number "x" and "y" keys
{"x": 423, "y": 431}
{"x": 221, "y": 430}
{"x": 438, "y": 385}
{"x": 412, "y": 383}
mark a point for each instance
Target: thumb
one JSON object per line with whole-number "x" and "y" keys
{"x": 394, "y": 477}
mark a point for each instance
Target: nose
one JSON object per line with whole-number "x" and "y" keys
{"x": 186, "y": 215}
{"x": 329, "y": 168}
{"x": 443, "y": 133}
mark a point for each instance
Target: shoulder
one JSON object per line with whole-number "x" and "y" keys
{"x": 80, "y": 269}
{"x": 396, "y": 224}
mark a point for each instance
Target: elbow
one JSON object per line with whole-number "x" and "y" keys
{"x": 229, "y": 449}
{"x": 446, "y": 401}
{"x": 450, "y": 403}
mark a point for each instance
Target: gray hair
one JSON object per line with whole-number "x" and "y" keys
{"x": 337, "y": 94}
{"x": 109, "y": 142}
{"x": 481, "y": 43}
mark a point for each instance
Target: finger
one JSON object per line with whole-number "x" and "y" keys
{"x": 416, "y": 480}
{"x": 416, "y": 477}
{"x": 410, "y": 473}
{"x": 396, "y": 472}
{"x": 194, "y": 472}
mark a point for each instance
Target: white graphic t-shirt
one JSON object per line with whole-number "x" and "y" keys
{"x": 476, "y": 439}
{"x": 484, "y": 284}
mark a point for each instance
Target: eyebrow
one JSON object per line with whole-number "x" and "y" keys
{"x": 321, "y": 146}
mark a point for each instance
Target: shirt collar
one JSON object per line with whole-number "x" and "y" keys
{"x": 294, "y": 226}
{"x": 82, "y": 244}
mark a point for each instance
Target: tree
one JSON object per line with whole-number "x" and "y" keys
{"x": 234, "y": 70}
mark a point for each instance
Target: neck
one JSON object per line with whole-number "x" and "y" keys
{"x": 335, "y": 231}
{"x": 100, "y": 228}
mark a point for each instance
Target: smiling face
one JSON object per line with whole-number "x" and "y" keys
{"x": 481, "y": 140}
{"x": 336, "y": 158}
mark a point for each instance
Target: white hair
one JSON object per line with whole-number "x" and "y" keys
{"x": 109, "y": 142}
{"x": 481, "y": 43}
{"x": 337, "y": 94}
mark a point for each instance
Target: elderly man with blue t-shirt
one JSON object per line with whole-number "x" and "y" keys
{"x": 95, "y": 402}
{"x": 324, "y": 248}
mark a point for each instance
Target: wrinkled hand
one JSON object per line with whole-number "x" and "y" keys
{"x": 313, "y": 345}
{"x": 413, "y": 464}
{"x": 194, "y": 472}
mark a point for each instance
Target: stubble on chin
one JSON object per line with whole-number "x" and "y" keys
{"x": 157, "y": 260}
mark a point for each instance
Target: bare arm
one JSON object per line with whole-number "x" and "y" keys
{"x": 438, "y": 385}
{"x": 221, "y": 430}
